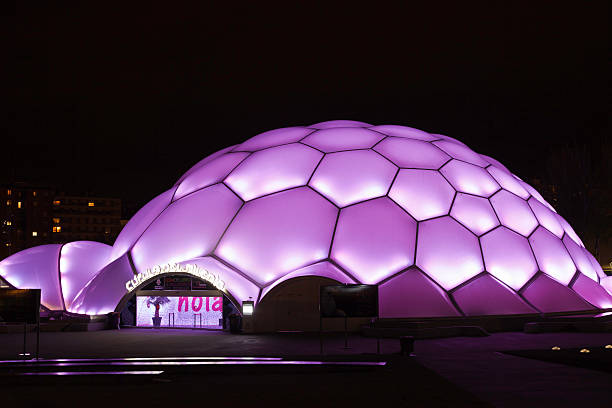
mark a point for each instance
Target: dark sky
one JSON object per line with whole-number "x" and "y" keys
{"x": 122, "y": 101}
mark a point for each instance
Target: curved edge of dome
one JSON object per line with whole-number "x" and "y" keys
{"x": 36, "y": 268}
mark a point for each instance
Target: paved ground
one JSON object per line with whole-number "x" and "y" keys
{"x": 444, "y": 372}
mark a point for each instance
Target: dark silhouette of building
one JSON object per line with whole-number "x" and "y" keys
{"x": 33, "y": 215}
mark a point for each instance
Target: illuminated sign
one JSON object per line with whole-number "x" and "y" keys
{"x": 178, "y": 311}
{"x": 191, "y": 269}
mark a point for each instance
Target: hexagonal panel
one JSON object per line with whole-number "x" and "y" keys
{"x": 496, "y": 163}
{"x": 202, "y": 162}
{"x": 409, "y": 153}
{"x": 339, "y": 123}
{"x": 279, "y": 233}
{"x": 412, "y": 294}
{"x": 548, "y": 295}
{"x": 546, "y": 217}
{"x": 552, "y": 256}
{"x": 469, "y": 178}
{"x": 188, "y": 228}
{"x": 474, "y": 212}
{"x": 461, "y": 152}
{"x": 596, "y": 266}
{"x": 274, "y": 169}
{"x": 485, "y": 295}
{"x": 403, "y": 131}
{"x": 374, "y": 240}
{"x": 273, "y": 138}
{"x": 592, "y": 292}
{"x": 514, "y": 212}
{"x": 210, "y": 173}
{"x": 535, "y": 194}
{"x": 423, "y": 193}
{"x": 508, "y": 257}
{"x": 580, "y": 259}
{"x": 448, "y": 139}
{"x": 336, "y": 139}
{"x": 353, "y": 176}
{"x": 139, "y": 222}
{"x": 448, "y": 252}
{"x": 569, "y": 230}
{"x": 507, "y": 182}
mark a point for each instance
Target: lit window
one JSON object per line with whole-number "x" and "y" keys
{"x": 33, "y": 193}
{"x": 18, "y": 204}
{"x": 8, "y": 244}
{"x": 8, "y": 192}
{"x": 56, "y": 220}
{"x": 8, "y": 202}
{"x": 9, "y": 223}
{"x": 57, "y": 229}
{"x": 90, "y": 204}
{"x": 34, "y": 233}
{"x": 56, "y": 202}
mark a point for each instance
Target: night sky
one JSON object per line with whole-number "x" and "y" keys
{"x": 121, "y": 102}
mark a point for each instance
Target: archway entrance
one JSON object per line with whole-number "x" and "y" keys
{"x": 177, "y": 300}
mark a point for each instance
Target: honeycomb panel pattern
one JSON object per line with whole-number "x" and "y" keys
{"x": 441, "y": 229}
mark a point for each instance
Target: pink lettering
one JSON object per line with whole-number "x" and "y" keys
{"x": 199, "y": 306}
{"x": 217, "y": 304}
{"x": 207, "y": 304}
{"x": 183, "y": 299}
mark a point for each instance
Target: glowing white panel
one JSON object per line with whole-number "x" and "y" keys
{"x": 507, "y": 256}
{"x": 274, "y": 169}
{"x": 139, "y": 223}
{"x": 188, "y": 228}
{"x": 469, "y": 178}
{"x": 461, "y": 152}
{"x": 104, "y": 292}
{"x": 474, "y": 212}
{"x": 569, "y": 230}
{"x": 507, "y": 182}
{"x": 322, "y": 269}
{"x": 448, "y": 252}
{"x": 514, "y": 212}
{"x": 203, "y": 162}
{"x": 210, "y": 173}
{"x": 374, "y": 240}
{"x": 274, "y": 137}
{"x": 403, "y": 131}
{"x": 79, "y": 262}
{"x": 592, "y": 292}
{"x": 36, "y": 268}
{"x": 423, "y": 193}
{"x": 339, "y": 123}
{"x": 582, "y": 262}
{"x": 412, "y": 294}
{"x": 336, "y": 139}
{"x": 546, "y": 217}
{"x": 552, "y": 256}
{"x": 353, "y": 176}
{"x": 409, "y": 153}
{"x": 279, "y": 233}
{"x": 485, "y": 295}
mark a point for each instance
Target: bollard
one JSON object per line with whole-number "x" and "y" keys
{"x": 406, "y": 345}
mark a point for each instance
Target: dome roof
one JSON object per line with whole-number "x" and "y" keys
{"x": 441, "y": 229}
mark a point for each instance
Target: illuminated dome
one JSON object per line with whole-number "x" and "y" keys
{"x": 442, "y": 230}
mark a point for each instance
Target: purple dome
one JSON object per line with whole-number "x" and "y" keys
{"x": 441, "y": 229}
